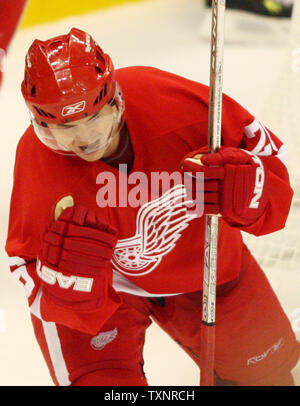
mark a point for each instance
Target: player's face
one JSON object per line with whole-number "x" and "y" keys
{"x": 91, "y": 138}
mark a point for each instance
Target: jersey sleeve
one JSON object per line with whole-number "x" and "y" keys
{"x": 29, "y": 216}
{"x": 243, "y": 130}
{"x": 89, "y": 322}
{"x": 23, "y": 269}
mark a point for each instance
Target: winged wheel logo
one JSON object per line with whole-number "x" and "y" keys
{"x": 159, "y": 224}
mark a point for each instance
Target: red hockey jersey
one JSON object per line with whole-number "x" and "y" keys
{"x": 159, "y": 252}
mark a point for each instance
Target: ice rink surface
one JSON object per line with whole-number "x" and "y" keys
{"x": 167, "y": 34}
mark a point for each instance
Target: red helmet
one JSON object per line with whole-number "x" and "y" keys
{"x": 67, "y": 78}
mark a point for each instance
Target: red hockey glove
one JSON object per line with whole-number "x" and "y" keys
{"x": 236, "y": 184}
{"x": 74, "y": 261}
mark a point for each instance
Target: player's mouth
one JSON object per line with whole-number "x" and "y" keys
{"x": 90, "y": 148}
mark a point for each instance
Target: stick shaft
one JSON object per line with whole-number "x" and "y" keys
{"x": 216, "y": 75}
{"x": 211, "y": 221}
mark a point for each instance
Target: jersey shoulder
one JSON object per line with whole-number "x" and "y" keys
{"x": 155, "y": 85}
{"x": 163, "y": 101}
{"x": 28, "y": 138}
{"x": 159, "y": 102}
{"x": 149, "y": 77}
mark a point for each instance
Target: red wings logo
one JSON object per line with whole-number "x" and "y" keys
{"x": 73, "y": 108}
{"x": 102, "y": 339}
{"x": 159, "y": 225}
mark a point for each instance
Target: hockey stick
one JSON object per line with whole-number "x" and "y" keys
{"x": 207, "y": 353}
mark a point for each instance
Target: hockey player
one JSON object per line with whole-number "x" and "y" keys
{"x": 95, "y": 273}
{"x": 10, "y": 14}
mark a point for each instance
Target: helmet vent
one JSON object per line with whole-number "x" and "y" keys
{"x": 98, "y": 70}
{"x": 101, "y": 95}
{"x": 33, "y": 91}
{"x": 43, "y": 113}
